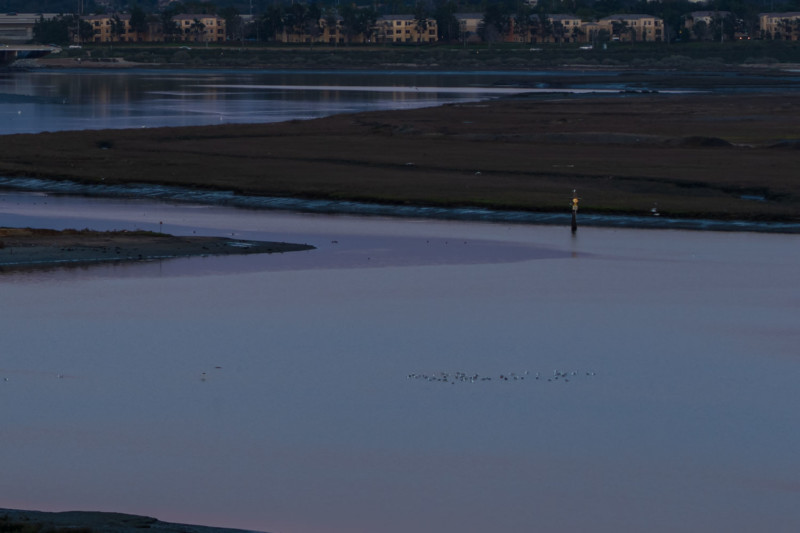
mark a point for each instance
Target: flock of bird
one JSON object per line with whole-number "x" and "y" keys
{"x": 463, "y": 377}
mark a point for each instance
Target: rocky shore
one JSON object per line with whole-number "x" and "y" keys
{"x": 25, "y": 248}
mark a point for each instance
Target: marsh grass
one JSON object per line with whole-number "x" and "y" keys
{"x": 695, "y": 155}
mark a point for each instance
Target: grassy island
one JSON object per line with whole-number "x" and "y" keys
{"x": 725, "y": 157}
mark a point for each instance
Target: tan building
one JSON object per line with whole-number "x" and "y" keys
{"x": 468, "y": 24}
{"x": 564, "y": 29}
{"x": 327, "y": 32}
{"x": 200, "y": 28}
{"x": 336, "y": 33}
{"x": 591, "y": 31}
{"x": 634, "y": 27}
{"x": 332, "y": 31}
{"x": 780, "y": 26}
{"x": 405, "y": 29}
{"x": 102, "y": 28}
{"x": 105, "y": 29}
{"x": 196, "y": 28}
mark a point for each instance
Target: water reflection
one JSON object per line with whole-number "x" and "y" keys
{"x": 361, "y": 248}
{"x": 279, "y": 399}
{"x": 272, "y": 392}
{"x": 52, "y": 100}
{"x": 79, "y": 99}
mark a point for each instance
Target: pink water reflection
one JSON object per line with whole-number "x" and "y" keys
{"x": 277, "y": 397}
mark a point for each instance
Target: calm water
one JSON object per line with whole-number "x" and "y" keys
{"x": 53, "y": 100}
{"x": 305, "y": 392}
{"x": 273, "y": 393}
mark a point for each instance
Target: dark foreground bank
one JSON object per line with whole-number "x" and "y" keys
{"x": 93, "y": 522}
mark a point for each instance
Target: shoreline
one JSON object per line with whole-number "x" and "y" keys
{"x": 116, "y": 63}
{"x": 648, "y": 221}
{"x": 26, "y": 248}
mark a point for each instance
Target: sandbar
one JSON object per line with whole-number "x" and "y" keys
{"x": 25, "y": 248}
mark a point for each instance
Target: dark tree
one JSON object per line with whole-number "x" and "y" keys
{"x": 311, "y": 22}
{"x": 55, "y": 30}
{"x": 523, "y": 19}
{"x": 272, "y": 23}
{"x": 495, "y": 23}
{"x": 331, "y": 18}
{"x": 85, "y": 31}
{"x": 138, "y": 21}
{"x": 168, "y": 26}
{"x": 117, "y": 27}
{"x": 234, "y": 28}
{"x": 358, "y": 21}
{"x": 198, "y": 29}
{"x": 700, "y": 30}
{"x": 295, "y": 18}
{"x": 420, "y": 19}
{"x": 445, "y": 15}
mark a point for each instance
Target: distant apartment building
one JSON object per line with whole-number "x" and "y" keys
{"x": 468, "y": 25}
{"x": 635, "y": 27}
{"x": 200, "y": 27}
{"x": 701, "y": 24}
{"x": 591, "y": 31}
{"x": 103, "y": 27}
{"x": 564, "y": 29}
{"x": 706, "y": 17}
{"x": 117, "y": 28}
{"x": 326, "y": 31}
{"x": 780, "y": 26}
{"x": 332, "y": 31}
{"x": 405, "y": 29}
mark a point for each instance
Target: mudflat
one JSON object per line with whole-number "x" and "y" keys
{"x": 26, "y": 248}
{"x": 721, "y": 156}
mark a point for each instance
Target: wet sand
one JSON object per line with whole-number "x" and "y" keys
{"x": 29, "y": 248}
